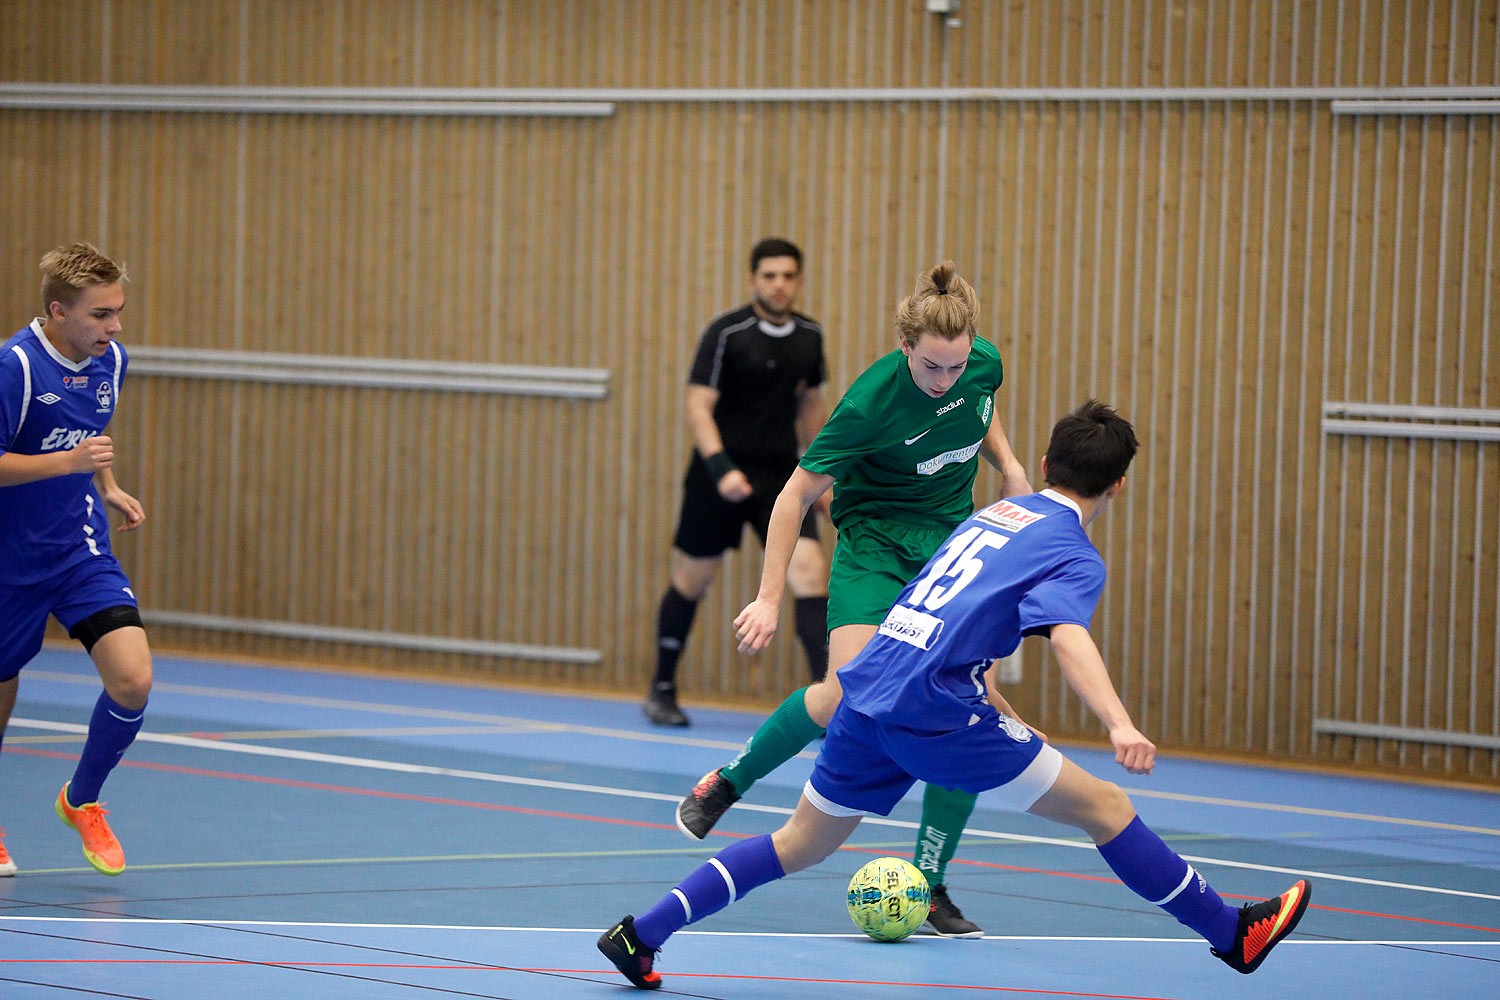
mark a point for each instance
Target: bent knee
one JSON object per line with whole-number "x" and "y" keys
{"x": 1113, "y": 810}
{"x": 130, "y": 691}
{"x": 807, "y": 574}
{"x": 821, "y": 699}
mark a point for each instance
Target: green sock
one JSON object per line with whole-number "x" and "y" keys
{"x": 944, "y": 813}
{"x": 779, "y": 738}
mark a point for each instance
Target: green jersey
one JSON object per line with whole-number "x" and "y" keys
{"x": 898, "y": 454}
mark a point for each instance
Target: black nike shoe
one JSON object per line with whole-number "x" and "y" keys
{"x": 634, "y": 960}
{"x": 701, "y": 808}
{"x": 1263, "y": 925}
{"x": 947, "y": 920}
{"x": 661, "y": 708}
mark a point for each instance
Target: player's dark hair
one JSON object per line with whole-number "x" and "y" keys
{"x": 774, "y": 247}
{"x": 1090, "y": 449}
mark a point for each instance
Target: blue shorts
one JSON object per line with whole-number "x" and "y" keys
{"x": 866, "y": 766}
{"x": 71, "y": 596}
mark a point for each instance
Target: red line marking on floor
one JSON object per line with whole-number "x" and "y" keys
{"x": 1226, "y": 895}
{"x": 1397, "y": 916}
{"x": 575, "y": 972}
{"x": 353, "y": 790}
{"x": 585, "y": 817}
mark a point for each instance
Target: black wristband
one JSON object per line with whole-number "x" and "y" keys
{"x": 719, "y": 465}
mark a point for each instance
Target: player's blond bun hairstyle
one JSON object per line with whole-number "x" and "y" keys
{"x": 68, "y": 270}
{"x": 943, "y": 304}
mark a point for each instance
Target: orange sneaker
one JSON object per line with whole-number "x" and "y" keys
{"x": 7, "y": 866}
{"x": 99, "y": 844}
{"x": 1264, "y": 924}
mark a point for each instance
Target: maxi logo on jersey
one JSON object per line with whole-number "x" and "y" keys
{"x": 911, "y": 626}
{"x": 1008, "y": 516}
{"x": 75, "y": 381}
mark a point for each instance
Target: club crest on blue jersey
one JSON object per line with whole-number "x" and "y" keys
{"x": 1015, "y": 729}
{"x": 105, "y": 395}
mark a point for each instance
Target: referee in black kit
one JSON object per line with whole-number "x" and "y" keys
{"x": 754, "y": 400}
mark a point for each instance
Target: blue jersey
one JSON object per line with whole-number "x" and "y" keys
{"x": 1012, "y": 568}
{"x": 48, "y": 403}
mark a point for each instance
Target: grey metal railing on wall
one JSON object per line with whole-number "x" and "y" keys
{"x": 383, "y": 373}
{"x": 1436, "y": 423}
{"x": 387, "y": 373}
{"x": 601, "y": 101}
{"x": 371, "y": 637}
{"x": 1443, "y": 423}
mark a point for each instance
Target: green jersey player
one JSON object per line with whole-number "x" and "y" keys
{"x": 901, "y": 450}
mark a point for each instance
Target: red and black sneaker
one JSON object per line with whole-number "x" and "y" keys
{"x": 1264, "y": 924}
{"x": 701, "y": 808}
{"x": 634, "y": 960}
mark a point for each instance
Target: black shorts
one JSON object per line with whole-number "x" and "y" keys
{"x": 709, "y": 524}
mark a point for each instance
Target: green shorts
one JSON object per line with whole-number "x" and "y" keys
{"x": 872, "y": 562}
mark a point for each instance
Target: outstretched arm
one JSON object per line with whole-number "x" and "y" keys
{"x": 810, "y": 419}
{"x": 1084, "y": 668}
{"x": 996, "y": 450}
{"x": 757, "y": 623}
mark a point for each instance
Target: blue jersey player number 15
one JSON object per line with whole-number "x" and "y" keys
{"x": 954, "y": 569}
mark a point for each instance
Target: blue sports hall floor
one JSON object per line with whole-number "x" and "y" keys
{"x": 296, "y": 833}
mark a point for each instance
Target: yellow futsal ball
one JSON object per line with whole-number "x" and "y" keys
{"x": 889, "y": 899}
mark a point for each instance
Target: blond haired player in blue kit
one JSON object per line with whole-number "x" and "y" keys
{"x": 915, "y": 707}
{"x": 59, "y": 385}
{"x": 901, "y": 451}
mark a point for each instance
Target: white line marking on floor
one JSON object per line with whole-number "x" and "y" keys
{"x": 287, "y": 753}
{"x": 489, "y": 929}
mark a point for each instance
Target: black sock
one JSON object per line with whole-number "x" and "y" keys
{"x": 812, "y": 629}
{"x": 672, "y": 626}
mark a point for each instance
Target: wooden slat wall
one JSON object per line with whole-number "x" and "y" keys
{"x": 1217, "y": 268}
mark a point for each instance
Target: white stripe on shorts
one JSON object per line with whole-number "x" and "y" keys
{"x": 825, "y": 806}
{"x": 1022, "y": 791}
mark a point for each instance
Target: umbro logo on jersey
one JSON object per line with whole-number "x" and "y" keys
{"x": 48, "y": 397}
{"x": 918, "y": 437}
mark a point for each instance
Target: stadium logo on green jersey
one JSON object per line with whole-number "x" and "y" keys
{"x": 953, "y": 405}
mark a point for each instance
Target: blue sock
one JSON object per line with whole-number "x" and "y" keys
{"x": 730, "y": 874}
{"x": 1155, "y": 872}
{"x": 111, "y": 730}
